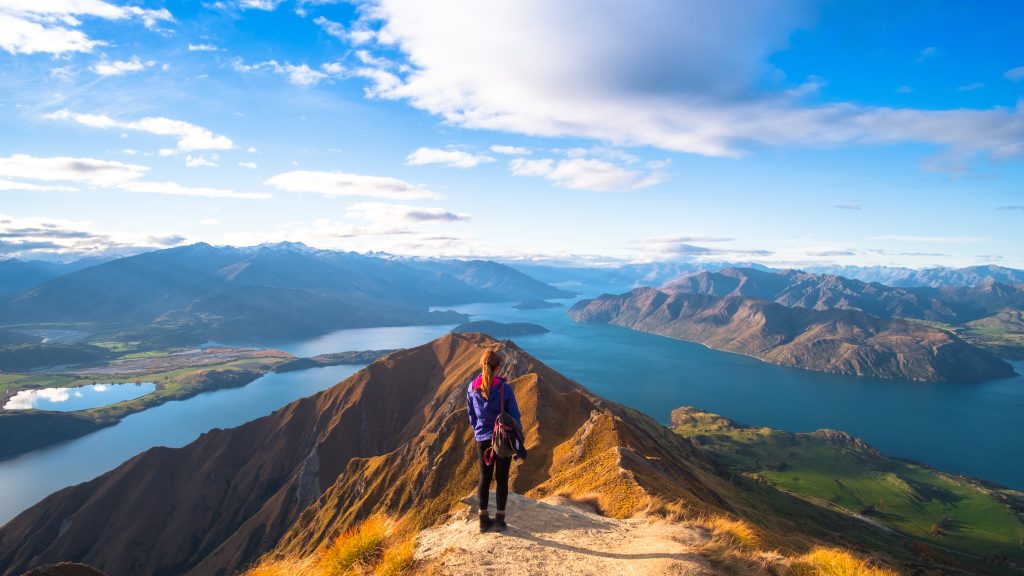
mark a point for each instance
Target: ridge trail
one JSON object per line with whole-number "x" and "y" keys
{"x": 556, "y": 536}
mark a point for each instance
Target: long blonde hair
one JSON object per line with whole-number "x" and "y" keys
{"x": 489, "y": 362}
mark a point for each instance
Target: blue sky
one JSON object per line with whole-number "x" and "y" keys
{"x": 788, "y": 132}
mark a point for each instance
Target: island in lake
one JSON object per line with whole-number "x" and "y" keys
{"x": 500, "y": 329}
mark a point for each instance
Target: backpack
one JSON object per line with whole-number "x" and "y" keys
{"x": 507, "y": 439}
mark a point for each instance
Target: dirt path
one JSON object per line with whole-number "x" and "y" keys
{"x": 551, "y": 537}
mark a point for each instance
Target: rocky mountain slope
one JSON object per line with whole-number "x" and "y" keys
{"x": 392, "y": 437}
{"x": 844, "y": 341}
{"x": 795, "y": 288}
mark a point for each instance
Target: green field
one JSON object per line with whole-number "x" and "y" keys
{"x": 1001, "y": 334}
{"x": 836, "y": 470}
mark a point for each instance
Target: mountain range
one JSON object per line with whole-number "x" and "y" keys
{"x": 843, "y": 341}
{"x": 933, "y": 277}
{"x": 796, "y": 288}
{"x": 197, "y": 292}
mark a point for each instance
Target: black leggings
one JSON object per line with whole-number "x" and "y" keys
{"x": 486, "y": 472}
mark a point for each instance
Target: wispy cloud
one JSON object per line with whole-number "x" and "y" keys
{"x": 190, "y": 137}
{"x": 450, "y": 157}
{"x": 32, "y": 237}
{"x": 1014, "y": 74}
{"x": 200, "y": 162}
{"x": 970, "y": 87}
{"x": 120, "y": 67}
{"x": 510, "y": 150}
{"x": 577, "y": 173}
{"x": 51, "y": 27}
{"x": 175, "y": 189}
{"x": 348, "y": 184}
{"x": 849, "y": 206}
{"x": 88, "y": 171}
{"x": 391, "y": 214}
{"x": 927, "y": 54}
{"x": 202, "y": 48}
{"x": 300, "y": 75}
{"x": 98, "y": 174}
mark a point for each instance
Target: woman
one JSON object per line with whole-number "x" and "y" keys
{"x": 483, "y": 401}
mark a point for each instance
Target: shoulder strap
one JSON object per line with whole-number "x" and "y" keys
{"x": 502, "y": 393}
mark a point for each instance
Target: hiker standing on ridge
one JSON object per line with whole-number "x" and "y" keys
{"x": 486, "y": 396}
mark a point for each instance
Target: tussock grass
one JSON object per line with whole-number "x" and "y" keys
{"x": 732, "y": 532}
{"x": 835, "y": 562}
{"x": 378, "y": 545}
{"x": 361, "y": 546}
{"x": 397, "y": 558}
{"x": 671, "y": 511}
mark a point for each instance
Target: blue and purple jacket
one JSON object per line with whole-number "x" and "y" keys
{"x": 483, "y": 413}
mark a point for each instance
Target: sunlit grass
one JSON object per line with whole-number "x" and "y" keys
{"x": 835, "y": 562}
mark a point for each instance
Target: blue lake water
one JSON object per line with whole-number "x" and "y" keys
{"x": 972, "y": 429}
{"x": 78, "y": 397}
{"x": 30, "y": 477}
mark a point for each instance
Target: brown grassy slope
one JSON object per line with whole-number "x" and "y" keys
{"x": 393, "y": 436}
{"x": 840, "y": 341}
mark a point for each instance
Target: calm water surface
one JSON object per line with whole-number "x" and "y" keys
{"x": 972, "y": 429}
{"x": 30, "y": 477}
{"x": 77, "y": 398}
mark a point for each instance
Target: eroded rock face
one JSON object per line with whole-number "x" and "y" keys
{"x": 394, "y": 436}
{"x": 834, "y": 340}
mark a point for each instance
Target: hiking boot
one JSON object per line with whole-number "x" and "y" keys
{"x": 499, "y": 523}
{"x": 486, "y": 522}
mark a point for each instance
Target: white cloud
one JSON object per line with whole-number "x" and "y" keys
{"x": 209, "y": 222}
{"x": 679, "y": 76}
{"x": 200, "y": 162}
{"x": 1014, "y": 74}
{"x": 453, "y": 158}
{"x": 99, "y": 174}
{"x": 927, "y": 54}
{"x": 391, "y": 214}
{"x": 120, "y": 67}
{"x": 202, "y": 48}
{"x": 175, "y": 189}
{"x": 190, "y": 137}
{"x": 89, "y": 171}
{"x": 34, "y": 236}
{"x": 301, "y": 75}
{"x": 579, "y": 173}
{"x": 51, "y": 26}
{"x": 249, "y": 165}
{"x": 510, "y": 150}
{"x": 357, "y": 35}
{"x": 264, "y": 5}
{"x": 11, "y": 185}
{"x": 347, "y": 184}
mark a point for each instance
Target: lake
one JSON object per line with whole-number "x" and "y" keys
{"x": 78, "y": 397}
{"x": 28, "y": 478}
{"x": 972, "y": 429}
